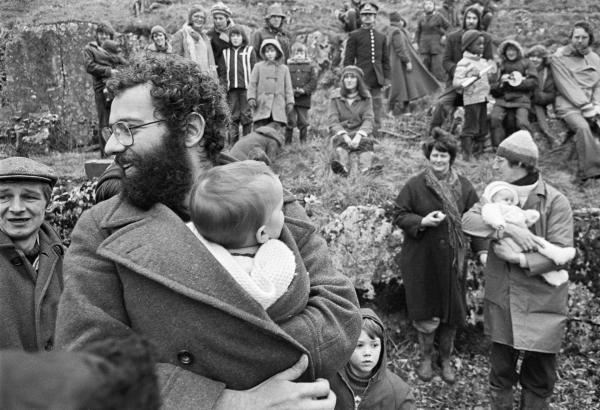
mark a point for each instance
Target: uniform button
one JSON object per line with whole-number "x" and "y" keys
{"x": 49, "y": 345}
{"x": 185, "y": 357}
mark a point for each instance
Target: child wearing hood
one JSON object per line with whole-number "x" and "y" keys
{"x": 516, "y": 81}
{"x": 270, "y": 93}
{"x": 501, "y": 206}
{"x": 366, "y": 382}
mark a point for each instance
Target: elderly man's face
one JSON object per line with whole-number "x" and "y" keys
{"x": 580, "y": 39}
{"x": 22, "y": 208}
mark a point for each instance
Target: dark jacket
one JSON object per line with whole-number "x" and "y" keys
{"x": 28, "y": 300}
{"x": 268, "y": 32}
{"x": 545, "y": 92}
{"x": 433, "y": 287}
{"x": 235, "y": 66}
{"x": 304, "y": 75}
{"x": 430, "y": 29}
{"x": 386, "y": 391}
{"x": 98, "y": 63}
{"x": 130, "y": 270}
{"x": 263, "y": 140}
{"x": 363, "y": 46}
{"x": 519, "y": 96}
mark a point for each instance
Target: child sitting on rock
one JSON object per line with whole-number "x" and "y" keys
{"x": 501, "y": 207}
{"x": 366, "y": 382}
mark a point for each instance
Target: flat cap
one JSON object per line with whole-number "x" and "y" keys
{"x": 21, "y": 168}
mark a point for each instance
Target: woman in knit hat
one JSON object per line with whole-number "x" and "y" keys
{"x": 350, "y": 121}
{"x": 160, "y": 42}
{"x": 411, "y": 80}
{"x": 429, "y": 210}
{"x": 545, "y": 92}
{"x": 524, "y": 316}
{"x": 192, "y": 42}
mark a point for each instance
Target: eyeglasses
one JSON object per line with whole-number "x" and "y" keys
{"x": 122, "y": 132}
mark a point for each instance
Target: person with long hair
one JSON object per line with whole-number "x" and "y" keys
{"x": 350, "y": 122}
{"x": 429, "y": 209}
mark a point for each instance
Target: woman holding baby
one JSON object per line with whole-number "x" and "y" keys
{"x": 429, "y": 210}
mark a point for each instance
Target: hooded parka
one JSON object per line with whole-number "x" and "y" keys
{"x": 271, "y": 86}
{"x": 386, "y": 391}
{"x": 29, "y": 299}
{"x": 518, "y": 96}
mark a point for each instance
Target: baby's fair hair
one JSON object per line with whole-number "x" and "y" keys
{"x": 372, "y": 328}
{"x": 229, "y": 203}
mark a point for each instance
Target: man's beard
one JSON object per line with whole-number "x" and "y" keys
{"x": 161, "y": 176}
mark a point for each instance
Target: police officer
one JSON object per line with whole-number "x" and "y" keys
{"x": 31, "y": 256}
{"x": 367, "y": 48}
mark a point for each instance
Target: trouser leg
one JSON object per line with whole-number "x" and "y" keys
{"x": 497, "y": 127}
{"x": 586, "y": 145}
{"x": 377, "y": 99}
{"x": 522, "y": 119}
{"x": 302, "y": 123}
{"x": 103, "y": 111}
{"x": 436, "y": 66}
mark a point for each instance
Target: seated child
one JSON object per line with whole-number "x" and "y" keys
{"x": 366, "y": 382}
{"x": 517, "y": 79}
{"x": 237, "y": 213}
{"x": 501, "y": 207}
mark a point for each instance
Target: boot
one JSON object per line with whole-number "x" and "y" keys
{"x": 447, "y": 335}
{"x": 531, "y": 401}
{"x": 289, "y": 134}
{"x": 246, "y": 129}
{"x": 339, "y": 162}
{"x": 425, "y": 372}
{"x": 501, "y": 399}
{"x": 467, "y": 148}
{"x": 303, "y": 133}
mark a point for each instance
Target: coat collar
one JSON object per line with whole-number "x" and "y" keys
{"x": 157, "y": 244}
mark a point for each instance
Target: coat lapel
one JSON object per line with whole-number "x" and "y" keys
{"x": 157, "y": 244}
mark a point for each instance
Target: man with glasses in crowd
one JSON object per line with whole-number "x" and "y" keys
{"x": 134, "y": 266}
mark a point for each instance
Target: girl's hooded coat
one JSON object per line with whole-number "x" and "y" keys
{"x": 271, "y": 86}
{"x": 518, "y": 96}
{"x": 386, "y": 390}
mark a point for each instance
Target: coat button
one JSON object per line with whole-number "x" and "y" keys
{"x": 49, "y": 345}
{"x": 185, "y": 357}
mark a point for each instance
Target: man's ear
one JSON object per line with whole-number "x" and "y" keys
{"x": 194, "y": 130}
{"x": 261, "y": 235}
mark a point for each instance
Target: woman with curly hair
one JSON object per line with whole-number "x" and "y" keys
{"x": 429, "y": 210}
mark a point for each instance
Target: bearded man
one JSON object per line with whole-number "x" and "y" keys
{"x": 134, "y": 266}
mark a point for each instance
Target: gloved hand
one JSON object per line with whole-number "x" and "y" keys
{"x": 252, "y": 104}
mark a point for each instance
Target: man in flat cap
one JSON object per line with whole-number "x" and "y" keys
{"x": 135, "y": 267}
{"x": 31, "y": 256}
{"x": 367, "y": 48}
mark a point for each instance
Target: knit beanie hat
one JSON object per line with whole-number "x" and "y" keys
{"x": 221, "y": 8}
{"x": 357, "y": 71}
{"x": 158, "y": 29}
{"x": 494, "y": 187}
{"x": 195, "y": 9}
{"x": 468, "y": 38}
{"x": 519, "y": 147}
{"x": 395, "y": 17}
{"x": 538, "y": 50}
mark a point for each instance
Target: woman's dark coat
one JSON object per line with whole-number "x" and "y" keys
{"x": 433, "y": 287}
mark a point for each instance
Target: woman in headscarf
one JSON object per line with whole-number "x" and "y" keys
{"x": 192, "y": 42}
{"x": 429, "y": 210}
{"x": 410, "y": 78}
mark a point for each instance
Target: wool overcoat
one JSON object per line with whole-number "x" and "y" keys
{"x": 367, "y": 48}
{"x": 520, "y": 309}
{"x": 433, "y": 287}
{"x": 349, "y": 117}
{"x": 271, "y": 87}
{"x": 29, "y": 300}
{"x": 129, "y": 270}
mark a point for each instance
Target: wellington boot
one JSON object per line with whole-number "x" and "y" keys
{"x": 289, "y": 134}
{"x": 340, "y": 162}
{"x": 501, "y": 399}
{"x": 447, "y": 335}
{"x": 303, "y": 133}
{"x": 425, "y": 371}
{"x": 531, "y": 401}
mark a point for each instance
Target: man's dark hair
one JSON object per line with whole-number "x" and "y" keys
{"x": 179, "y": 88}
{"x": 475, "y": 11}
{"x": 586, "y": 27}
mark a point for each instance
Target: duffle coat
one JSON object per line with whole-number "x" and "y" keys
{"x": 129, "y": 270}
{"x": 29, "y": 300}
{"x": 522, "y": 310}
{"x": 433, "y": 287}
{"x": 271, "y": 87}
